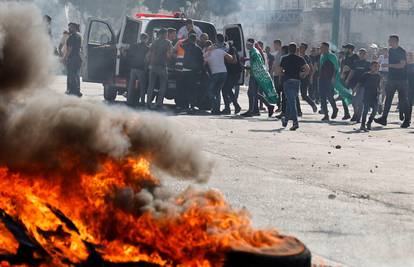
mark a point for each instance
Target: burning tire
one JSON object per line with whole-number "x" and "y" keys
{"x": 292, "y": 253}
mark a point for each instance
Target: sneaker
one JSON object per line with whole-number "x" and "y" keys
{"x": 284, "y": 122}
{"x": 295, "y": 126}
{"x": 334, "y": 114}
{"x": 326, "y": 118}
{"x": 346, "y": 117}
{"x": 226, "y": 111}
{"x": 381, "y": 120}
{"x": 270, "y": 111}
{"x": 405, "y": 125}
{"x": 237, "y": 109}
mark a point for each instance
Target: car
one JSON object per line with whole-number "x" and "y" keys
{"x": 105, "y": 63}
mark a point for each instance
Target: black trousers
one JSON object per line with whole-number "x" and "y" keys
{"x": 73, "y": 79}
{"x": 367, "y": 105}
{"x": 189, "y": 89}
{"x": 227, "y": 92}
{"x": 304, "y": 89}
{"x": 326, "y": 92}
{"x": 254, "y": 96}
{"x": 279, "y": 89}
{"x": 402, "y": 87}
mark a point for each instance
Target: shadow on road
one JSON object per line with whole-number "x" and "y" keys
{"x": 279, "y": 130}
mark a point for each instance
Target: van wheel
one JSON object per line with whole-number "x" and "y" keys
{"x": 110, "y": 93}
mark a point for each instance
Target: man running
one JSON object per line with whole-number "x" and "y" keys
{"x": 294, "y": 68}
{"x": 327, "y": 79}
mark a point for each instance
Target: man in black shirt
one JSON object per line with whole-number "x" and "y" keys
{"x": 192, "y": 67}
{"x": 136, "y": 55}
{"x": 397, "y": 81}
{"x": 234, "y": 71}
{"x": 305, "y": 82}
{"x": 370, "y": 81}
{"x": 346, "y": 66}
{"x": 359, "y": 67}
{"x": 73, "y": 60}
{"x": 160, "y": 52}
{"x": 327, "y": 78}
{"x": 294, "y": 68}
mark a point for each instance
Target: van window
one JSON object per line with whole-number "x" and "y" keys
{"x": 155, "y": 25}
{"x": 131, "y": 32}
{"x": 100, "y": 33}
{"x": 234, "y": 35}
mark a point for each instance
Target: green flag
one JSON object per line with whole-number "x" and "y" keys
{"x": 262, "y": 76}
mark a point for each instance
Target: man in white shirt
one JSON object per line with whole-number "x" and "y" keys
{"x": 189, "y": 27}
{"x": 215, "y": 59}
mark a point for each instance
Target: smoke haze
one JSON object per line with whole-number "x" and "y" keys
{"x": 41, "y": 130}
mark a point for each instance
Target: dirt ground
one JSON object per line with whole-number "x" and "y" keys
{"x": 349, "y": 196}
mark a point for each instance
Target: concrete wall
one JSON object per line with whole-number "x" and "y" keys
{"x": 376, "y": 25}
{"x": 314, "y": 26}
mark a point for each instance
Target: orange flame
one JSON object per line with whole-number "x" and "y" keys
{"x": 196, "y": 228}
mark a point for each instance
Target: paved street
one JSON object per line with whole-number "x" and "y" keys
{"x": 348, "y": 195}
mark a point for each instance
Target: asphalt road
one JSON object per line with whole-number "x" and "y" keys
{"x": 349, "y": 196}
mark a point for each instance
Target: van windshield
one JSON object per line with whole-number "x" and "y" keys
{"x": 155, "y": 25}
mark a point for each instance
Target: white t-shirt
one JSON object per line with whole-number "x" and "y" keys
{"x": 183, "y": 32}
{"x": 382, "y": 60}
{"x": 216, "y": 60}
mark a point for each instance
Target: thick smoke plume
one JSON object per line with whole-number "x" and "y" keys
{"x": 41, "y": 130}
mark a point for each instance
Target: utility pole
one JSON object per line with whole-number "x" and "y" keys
{"x": 336, "y": 19}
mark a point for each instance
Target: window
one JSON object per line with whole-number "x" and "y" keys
{"x": 100, "y": 33}
{"x": 131, "y": 32}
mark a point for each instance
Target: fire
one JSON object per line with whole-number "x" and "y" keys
{"x": 67, "y": 214}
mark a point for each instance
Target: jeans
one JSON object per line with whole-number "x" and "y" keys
{"x": 228, "y": 94}
{"x": 136, "y": 95}
{"x": 326, "y": 93}
{"x": 366, "y": 107}
{"x": 215, "y": 85}
{"x": 402, "y": 87}
{"x": 291, "y": 88}
{"x": 160, "y": 73}
{"x": 73, "y": 80}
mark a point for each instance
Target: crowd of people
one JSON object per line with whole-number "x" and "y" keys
{"x": 277, "y": 76}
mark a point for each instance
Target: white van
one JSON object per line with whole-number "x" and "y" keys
{"x": 104, "y": 63}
